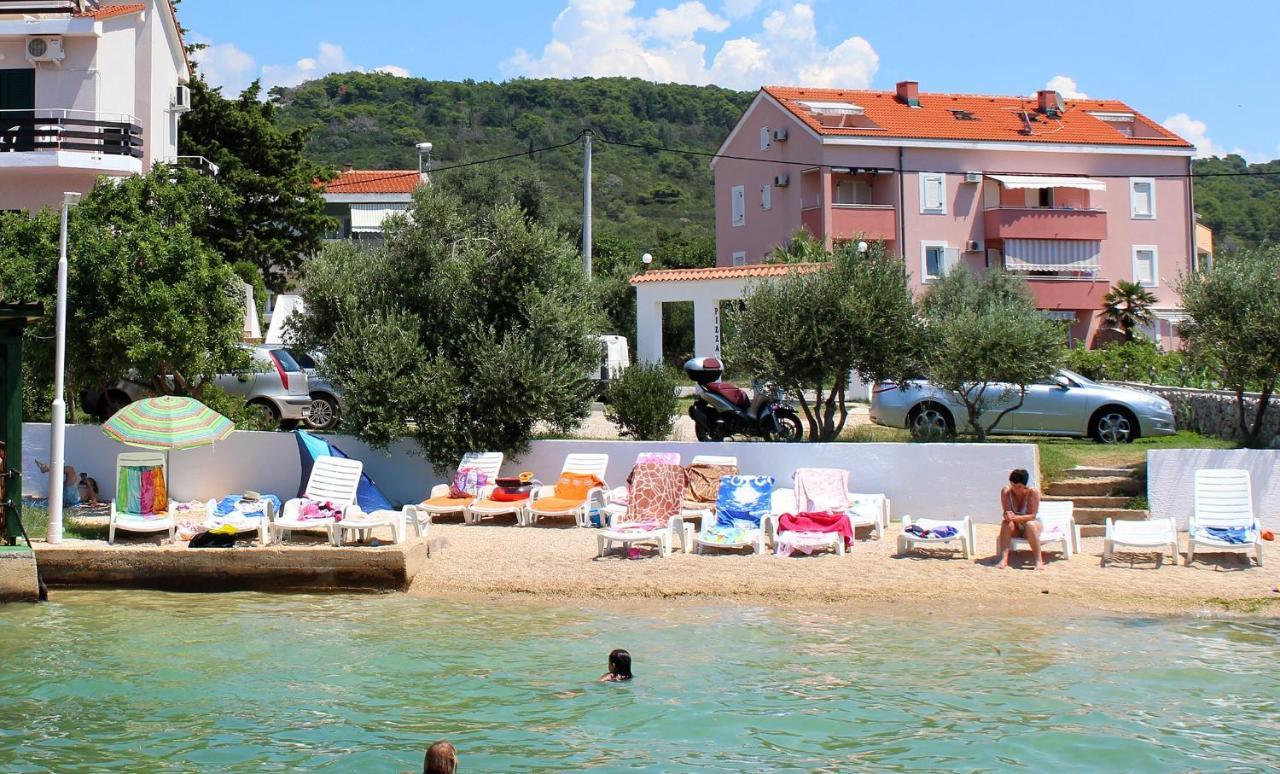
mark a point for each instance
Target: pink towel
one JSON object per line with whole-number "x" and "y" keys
{"x": 821, "y": 490}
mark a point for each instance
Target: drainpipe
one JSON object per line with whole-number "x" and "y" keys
{"x": 902, "y": 214}
{"x": 1191, "y": 213}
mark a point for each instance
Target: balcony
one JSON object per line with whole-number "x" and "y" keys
{"x": 1067, "y": 292}
{"x": 1045, "y": 223}
{"x": 70, "y": 139}
{"x": 849, "y": 221}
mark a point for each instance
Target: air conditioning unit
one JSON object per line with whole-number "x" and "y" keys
{"x": 779, "y": 135}
{"x": 973, "y": 246}
{"x": 973, "y": 177}
{"x": 782, "y": 181}
{"x": 44, "y": 49}
{"x": 182, "y": 98}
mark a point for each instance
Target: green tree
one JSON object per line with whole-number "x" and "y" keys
{"x": 281, "y": 219}
{"x": 809, "y": 330}
{"x": 985, "y": 342}
{"x": 1126, "y": 306}
{"x": 1234, "y": 327}
{"x": 642, "y": 401}
{"x": 461, "y": 334}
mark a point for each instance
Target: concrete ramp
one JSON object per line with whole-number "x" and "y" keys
{"x": 18, "y": 579}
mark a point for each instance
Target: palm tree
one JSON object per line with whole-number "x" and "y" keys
{"x": 1126, "y": 306}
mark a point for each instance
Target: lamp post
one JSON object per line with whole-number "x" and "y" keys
{"x": 863, "y": 247}
{"x": 424, "y": 161}
{"x": 646, "y": 259}
{"x": 57, "y": 419}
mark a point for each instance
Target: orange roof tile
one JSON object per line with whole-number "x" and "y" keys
{"x": 724, "y": 272}
{"x": 373, "y": 181}
{"x": 111, "y": 11}
{"x": 995, "y": 118}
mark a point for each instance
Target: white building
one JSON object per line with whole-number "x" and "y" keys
{"x": 361, "y": 199}
{"x": 87, "y": 88}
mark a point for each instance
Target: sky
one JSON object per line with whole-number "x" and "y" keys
{"x": 1207, "y": 71}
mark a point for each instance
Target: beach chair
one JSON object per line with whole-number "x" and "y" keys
{"x": 334, "y": 480}
{"x": 244, "y": 522}
{"x": 745, "y": 506}
{"x": 617, "y": 499}
{"x": 963, "y": 533}
{"x": 1143, "y": 536}
{"x": 128, "y": 511}
{"x": 546, "y": 503}
{"x": 814, "y": 493}
{"x": 1057, "y": 527}
{"x": 691, "y": 510}
{"x": 652, "y": 514}
{"x": 419, "y": 515}
{"x": 784, "y": 502}
{"x": 1223, "y": 519}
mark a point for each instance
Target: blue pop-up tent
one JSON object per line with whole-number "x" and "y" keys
{"x": 368, "y": 496}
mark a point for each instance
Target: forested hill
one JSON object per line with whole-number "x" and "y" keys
{"x": 374, "y": 121}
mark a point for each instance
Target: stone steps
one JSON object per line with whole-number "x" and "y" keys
{"x": 1098, "y": 472}
{"x": 1092, "y": 501}
{"x": 1101, "y": 486}
{"x": 1099, "y": 516}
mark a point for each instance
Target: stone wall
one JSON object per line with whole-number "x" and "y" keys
{"x": 1213, "y": 412}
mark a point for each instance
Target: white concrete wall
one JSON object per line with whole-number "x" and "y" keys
{"x": 1171, "y": 475}
{"x": 936, "y": 480}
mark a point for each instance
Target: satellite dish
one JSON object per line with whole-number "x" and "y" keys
{"x": 1059, "y": 103}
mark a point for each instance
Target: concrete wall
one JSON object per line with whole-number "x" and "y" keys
{"x": 1171, "y": 475}
{"x": 1214, "y": 412}
{"x": 920, "y": 479}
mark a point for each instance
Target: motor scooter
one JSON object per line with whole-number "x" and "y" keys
{"x": 722, "y": 410}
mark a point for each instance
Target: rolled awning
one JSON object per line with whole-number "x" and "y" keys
{"x": 368, "y": 217}
{"x": 1058, "y": 255}
{"x": 1014, "y": 182}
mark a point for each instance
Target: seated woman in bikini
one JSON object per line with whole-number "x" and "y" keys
{"x": 1020, "y": 505}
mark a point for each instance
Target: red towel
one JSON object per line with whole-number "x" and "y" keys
{"x": 817, "y": 522}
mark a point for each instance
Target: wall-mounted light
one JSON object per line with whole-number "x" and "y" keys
{"x": 863, "y": 247}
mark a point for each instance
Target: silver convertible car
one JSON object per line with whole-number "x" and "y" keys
{"x": 1066, "y": 404}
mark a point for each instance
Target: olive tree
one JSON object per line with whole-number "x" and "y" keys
{"x": 465, "y": 330}
{"x": 809, "y": 330}
{"x": 985, "y": 342}
{"x": 1234, "y": 327}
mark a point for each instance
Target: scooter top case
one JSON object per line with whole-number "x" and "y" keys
{"x": 704, "y": 370}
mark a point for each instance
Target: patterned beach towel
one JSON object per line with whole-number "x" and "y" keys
{"x": 141, "y": 491}
{"x": 822, "y": 490}
{"x": 656, "y": 490}
{"x": 743, "y": 501}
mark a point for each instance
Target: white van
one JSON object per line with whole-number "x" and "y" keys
{"x": 615, "y": 356}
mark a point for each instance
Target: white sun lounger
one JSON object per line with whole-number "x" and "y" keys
{"x": 1141, "y": 536}
{"x": 1223, "y": 500}
{"x": 419, "y": 515}
{"x": 139, "y": 522}
{"x": 334, "y": 479}
{"x": 784, "y": 501}
{"x": 964, "y": 535}
{"x": 582, "y": 464}
{"x": 1057, "y": 526}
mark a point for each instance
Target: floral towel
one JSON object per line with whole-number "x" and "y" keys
{"x": 822, "y": 490}
{"x": 467, "y": 483}
{"x": 637, "y": 526}
{"x": 315, "y": 510}
{"x": 743, "y": 501}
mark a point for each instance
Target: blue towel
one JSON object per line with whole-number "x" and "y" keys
{"x": 1238, "y": 535}
{"x": 229, "y": 505}
{"x": 742, "y": 501}
{"x": 942, "y": 532}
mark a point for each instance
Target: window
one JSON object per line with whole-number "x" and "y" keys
{"x": 1046, "y": 197}
{"x": 740, "y": 259}
{"x": 935, "y": 260}
{"x": 852, "y": 191}
{"x": 765, "y": 138}
{"x": 933, "y": 193}
{"x": 766, "y": 197}
{"x": 738, "y": 201}
{"x": 1142, "y": 197}
{"x": 1146, "y": 266}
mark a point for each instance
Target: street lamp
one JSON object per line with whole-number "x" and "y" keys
{"x": 424, "y": 160}
{"x": 646, "y": 259}
{"x": 57, "y": 429}
{"x": 862, "y": 247}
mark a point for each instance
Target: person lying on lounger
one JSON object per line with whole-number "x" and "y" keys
{"x": 1019, "y": 506}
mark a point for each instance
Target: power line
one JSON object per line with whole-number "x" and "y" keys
{"x": 461, "y": 165}
{"x": 784, "y": 162}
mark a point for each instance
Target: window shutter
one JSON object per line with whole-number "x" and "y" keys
{"x": 738, "y": 197}
{"x": 933, "y": 186}
{"x": 765, "y": 138}
{"x": 766, "y": 197}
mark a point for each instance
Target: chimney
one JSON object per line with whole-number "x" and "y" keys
{"x": 347, "y": 166}
{"x": 1049, "y": 102}
{"x": 909, "y": 93}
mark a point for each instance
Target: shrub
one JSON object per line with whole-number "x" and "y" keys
{"x": 1134, "y": 360}
{"x": 642, "y": 401}
{"x": 243, "y": 415}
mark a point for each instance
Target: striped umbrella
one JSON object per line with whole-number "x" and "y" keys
{"x": 168, "y": 423}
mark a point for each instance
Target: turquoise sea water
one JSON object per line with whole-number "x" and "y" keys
{"x": 141, "y": 681}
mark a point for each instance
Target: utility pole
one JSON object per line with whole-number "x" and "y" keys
{"x": 58, "y": 410}
{"x": 586, "y": 203}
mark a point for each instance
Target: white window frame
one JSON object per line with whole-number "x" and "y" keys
{"x": 766, "y": 196}
{"x": 1155, "y": 265}
{"x": 1134, "y": 182}
{"x": 925, "y": 245}
{"x": 941, "y": 177}
{"x": 739, "y": 258}
{"x": 738, "y": 205}
{"x": 766, "y": 138}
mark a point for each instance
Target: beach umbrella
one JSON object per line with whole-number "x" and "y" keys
{"x": 168, "y": 423}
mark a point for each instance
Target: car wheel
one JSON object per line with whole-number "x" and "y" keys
{"x": 1114, "y": 425}
{"x": 931, "y": 422}
{"x": 324, "y": 412}
{"x": 270, "y": 414}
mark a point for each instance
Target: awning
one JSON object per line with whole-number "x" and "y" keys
{"x": 1060, "y": 255}
{"x": 1014, "y": 182}
{"x": 366, "y": 217}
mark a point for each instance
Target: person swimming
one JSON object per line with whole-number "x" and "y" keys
{"x": 619, "y": 667}
{"x": 441, "y": 758}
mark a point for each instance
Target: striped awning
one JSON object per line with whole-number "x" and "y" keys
{"x": 367, "y": 217}
{"x": 1052, "y": 255}
{"x": 1045, "y": 181}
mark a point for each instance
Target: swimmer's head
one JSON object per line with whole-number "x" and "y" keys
{"x": 620, "y": 664}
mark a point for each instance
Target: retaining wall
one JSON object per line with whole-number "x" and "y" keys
{"x": 941, "y": 479}
{"x": 1171, "y": 477}
{"x": 1213, "y": 412}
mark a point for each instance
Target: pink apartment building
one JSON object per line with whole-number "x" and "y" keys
{"x": 1073, "y": 195}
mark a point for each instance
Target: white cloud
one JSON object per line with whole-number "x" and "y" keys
{"x": 395, "y": 70}
{"x": 1066, "y": 86}
{"x": 226, "y": 65}
{"x": 1196, "y": 132}
{"x": 231, "y": 67}
{"x": 605, "y": 37}
{"x": 330, "y": 59}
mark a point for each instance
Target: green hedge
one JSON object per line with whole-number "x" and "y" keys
{"x": 1138, "y": 361}
{"x": 642, "y": 402}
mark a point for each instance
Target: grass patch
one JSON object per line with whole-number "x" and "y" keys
{"x": 1247, "y": 605}
{"x": 36, "y": 520}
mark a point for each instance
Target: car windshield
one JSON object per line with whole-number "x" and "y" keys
{"x": 286, "y": 360}
{"x": 1077, "y": 378}
{"x": 303, "y": 359}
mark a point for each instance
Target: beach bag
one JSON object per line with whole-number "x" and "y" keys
{"x": 213, "y": 540}
{"x": 656, "y": 492}
{"x": 703, "y": 481}
{"x": 467, "y": 482}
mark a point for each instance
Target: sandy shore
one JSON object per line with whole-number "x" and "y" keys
{"x": 501, "y": 561}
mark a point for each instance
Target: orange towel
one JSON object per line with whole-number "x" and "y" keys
{"x": 571, "y": 492}
{"x": 497, "y": 505}
{"x": 457, "y": 503}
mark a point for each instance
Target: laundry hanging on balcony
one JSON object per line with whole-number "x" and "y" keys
{"x": 1013, "y": 182}
{"x": 1054, "y": 255}
{"x": 367, "y": 217}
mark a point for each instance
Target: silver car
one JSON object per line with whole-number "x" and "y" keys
{"x": 326, "y": 398}
{"x": 1066, "y": 404}
{"x": 273, "y": 383}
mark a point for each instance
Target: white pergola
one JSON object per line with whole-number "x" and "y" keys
{"x": 706, "y": 288}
